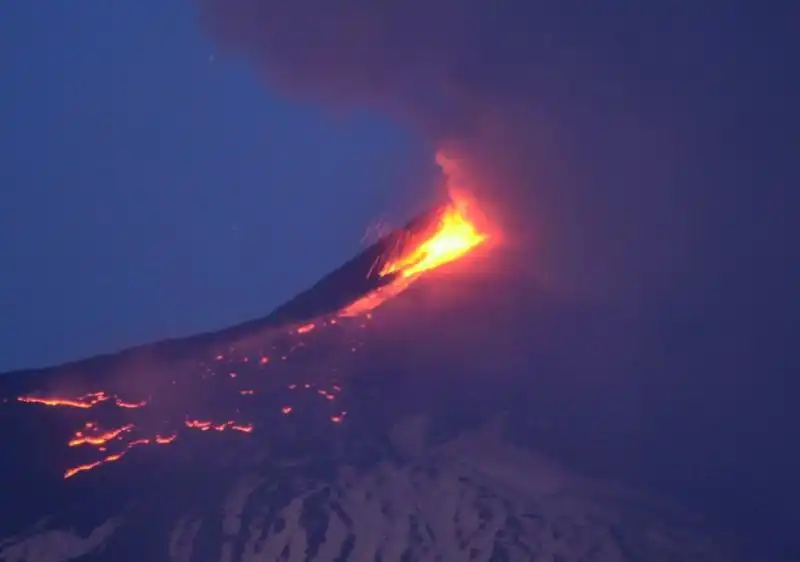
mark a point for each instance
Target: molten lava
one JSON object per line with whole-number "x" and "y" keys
{"x": 83, "y": 402}
{"x": 204, "y": 425}
{"x": 100, "y": 439}
{"x": 454, "y": 236}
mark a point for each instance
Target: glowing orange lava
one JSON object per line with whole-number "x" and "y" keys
{"x": 198, "y": 424}
{"x": 158, "y": 440}
{"x": 99, "y": 439}
{"x": 454, "y": 236}
{"x": 130, "y": 405}
{"x": 89, "y": 466}
{"x": 204, "y": 425}
{"x": 83, "y": 402}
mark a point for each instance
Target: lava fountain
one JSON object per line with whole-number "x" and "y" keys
{"x": 454, "y": 234}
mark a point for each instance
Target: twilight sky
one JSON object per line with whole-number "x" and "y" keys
{"x": 150, "y": 190}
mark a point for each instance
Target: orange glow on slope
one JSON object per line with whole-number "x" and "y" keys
{"x": 89, "y": 466}
{"x": 455, "y": 236}
{"x": 305, "y": 328}
{"x": 83, "y": 402}
{"x": 130, "y": 405}
{"x": 198, "y": 424}
{"x": 158, "y": 440}
{"x": 204, "y": 425}
{"x": 99, "y": 439}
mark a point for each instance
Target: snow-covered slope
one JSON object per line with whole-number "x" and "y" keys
{"x": 473, "y": 498}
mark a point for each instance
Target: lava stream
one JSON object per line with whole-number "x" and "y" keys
{"x": 455, "y": 236}
{"x": 100, "y": 439}
{"x": 158, "y": 440}
{"x": 82, "y": 402}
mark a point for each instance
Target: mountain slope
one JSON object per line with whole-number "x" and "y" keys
{"x": 311, "y": 436}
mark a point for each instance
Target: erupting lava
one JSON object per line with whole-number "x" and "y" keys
{"x": 92, "y": 435}
{"x": 454, "y": 236}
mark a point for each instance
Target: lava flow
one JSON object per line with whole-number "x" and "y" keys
{"x": 158, "y": 440}
{"x": 83, "y": 402}
{"x": 203, "y": 425}
{"x": 450, "y": 235}
{"x": 99, "y": 439}
{"x": 114, "y": 444}
{"x": 454, "y": 236}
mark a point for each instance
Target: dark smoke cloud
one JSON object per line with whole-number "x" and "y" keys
{"x": 607, "y": 136}
{"x": 643, "y": 150}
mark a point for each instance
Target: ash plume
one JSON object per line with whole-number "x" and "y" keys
{"x": 601, "y": 133}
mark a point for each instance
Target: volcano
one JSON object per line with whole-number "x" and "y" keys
{"x": 371, "y": 418}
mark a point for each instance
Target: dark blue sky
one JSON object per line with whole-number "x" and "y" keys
{"x": 152, "y": 188}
